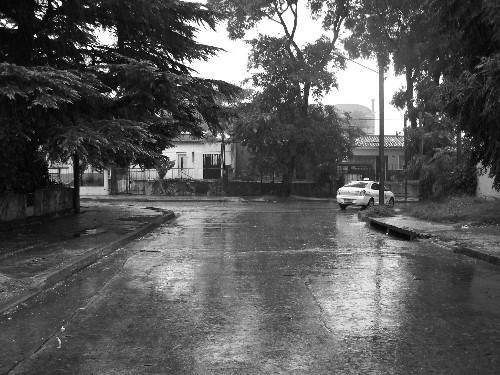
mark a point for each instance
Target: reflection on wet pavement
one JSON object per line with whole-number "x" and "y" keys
{"x": 285, "y": 288}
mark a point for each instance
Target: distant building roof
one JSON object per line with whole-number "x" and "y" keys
{"x": 354, "y": 108}
{"x": 360, "y": 116}
{"x": 390, "y": 141}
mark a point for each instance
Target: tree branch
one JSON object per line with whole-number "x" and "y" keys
{"x": 299, "y": 56}
{"x": 295, "y": 19}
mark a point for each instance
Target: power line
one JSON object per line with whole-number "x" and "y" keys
{"x": 355, "y": 62}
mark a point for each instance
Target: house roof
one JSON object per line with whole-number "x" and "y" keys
{"x": 390, "y": 141}
{"x": 206, "y": 138}
{"x": 187, "y": 138}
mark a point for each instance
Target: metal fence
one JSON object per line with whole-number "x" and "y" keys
{"x": 64, "y": 176}
{"x": 137, "y": 174}
{"x": 128, "y": 180}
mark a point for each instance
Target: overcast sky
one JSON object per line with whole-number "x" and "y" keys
{"x": 357, "y": 85}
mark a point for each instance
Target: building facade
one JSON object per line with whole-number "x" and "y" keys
{"x": 197, "y": 158}
{"x": 365, "y": 161}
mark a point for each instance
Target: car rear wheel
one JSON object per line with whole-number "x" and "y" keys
{"x": 391, "y": 202}
{"x": 343, "y": 206}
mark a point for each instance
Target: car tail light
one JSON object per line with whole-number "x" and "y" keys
{"x": 362, "y": 192}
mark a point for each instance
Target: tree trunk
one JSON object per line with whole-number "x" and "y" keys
{"x": 459, "y": 146}
{"x": 23, "y": 53}
{"x": 76, "y": 184}
{"x": 305, "y": 102}
{"x": 287, "y": 179}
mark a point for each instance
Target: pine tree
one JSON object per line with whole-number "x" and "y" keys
{"x": 66, "y": 91}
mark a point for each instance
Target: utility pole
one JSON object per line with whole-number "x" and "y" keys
{"x": 381, "y": 157}
{"x": 381, "y": 68}
{"x": 406, "y": 158}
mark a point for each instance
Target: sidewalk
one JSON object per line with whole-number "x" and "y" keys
{"x": 38, "y": 253}
{"x": 481, "y": 242}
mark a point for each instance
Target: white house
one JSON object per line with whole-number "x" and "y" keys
{"x": 198, "y": 158}
{"x": 193, "y": 158}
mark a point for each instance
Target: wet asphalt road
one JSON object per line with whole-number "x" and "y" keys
{"x": 271, "y": 288}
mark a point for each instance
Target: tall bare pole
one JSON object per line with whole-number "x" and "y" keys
{"x": 406, "y": 157}
{"x": 381, "y": 136}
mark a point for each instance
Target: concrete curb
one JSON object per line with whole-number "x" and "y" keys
{"x": 405, "y": 232}
{"x": 478, "y": 255}
{"x": 412, "y": 234}
{"x": 90, "y": 257}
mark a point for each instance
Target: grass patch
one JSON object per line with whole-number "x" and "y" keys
{"x": 471, "y": 210}
{"x": 376, "y": 211}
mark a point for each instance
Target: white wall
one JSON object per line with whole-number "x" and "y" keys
{"x": 485, "y": 186}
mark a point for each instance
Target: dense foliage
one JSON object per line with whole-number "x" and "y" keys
{"x": 281, "y": 139}
{"x": 108, "y": 81}
{"x": 280, "y": 126}
{"x": 449, "y": 52}
{"x": 470, "y": 87}
{"x": 397, "y": 29}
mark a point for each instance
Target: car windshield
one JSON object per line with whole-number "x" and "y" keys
{"x": 357, "y": 184}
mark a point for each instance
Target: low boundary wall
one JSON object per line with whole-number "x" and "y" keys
{"x": 186, "y": 187}
{"x": 40, "y": 203}
{"x": 234, "y": 188}
{"x": 179, "y": 187}
{"x": 303, "y": 189}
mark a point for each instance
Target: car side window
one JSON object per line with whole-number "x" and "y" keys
{"x": 375, "y": 186}
{"x": 356, "y": 184}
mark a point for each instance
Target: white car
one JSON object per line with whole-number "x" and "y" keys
{"x": 362, "y": 193}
